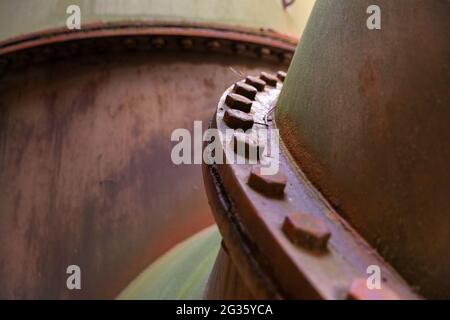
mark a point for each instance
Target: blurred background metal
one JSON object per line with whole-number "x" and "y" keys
{"x": 365, "y": 115}
{"x": 85, "y": 122}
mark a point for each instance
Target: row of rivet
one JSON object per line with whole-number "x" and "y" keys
{"x": 70, "y": 48}
{"x": 303, "y": 229}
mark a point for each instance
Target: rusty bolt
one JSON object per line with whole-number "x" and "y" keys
{"x": 213, "y": 45}
{"x": 258, "y": 83}
{"x": 158, "y": 42}
{"x": 237, "y": 119}
{"x": 270, "y": 185}
{"x": 238, "y": 102}
{"x": 246, "y": 146}
{"x": 270, "y": 79}
{"x": 240, "y": 48}
{"x": 286, "y": 57}
{"x": 130, "y": 43}
{"x": 265, "y": 52}
{"x": 359, "y": 291}
{"x": 307, "y": 231}
{"x": 187, "y": 43}
{"x": 246, "y": 90}
{"x": 281, "y": 75}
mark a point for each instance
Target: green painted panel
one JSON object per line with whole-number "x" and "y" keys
{"x": 24, "y": 16}
{"x": 179, "y": 274}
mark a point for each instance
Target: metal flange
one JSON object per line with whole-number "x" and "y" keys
{"x": 285, "y": 239}
{"x": 144, "y": 37}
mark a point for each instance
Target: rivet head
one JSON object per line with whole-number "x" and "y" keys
{"x": 258, "y": 83}
{"x": 158, "y": 42}
{"x": 269, "y": 79}
{"x": 240, "y": 48}
{"x": 359, "y": 291}
{"x": 269, "y": 185}
{"x": 237, "y": 119}
{"x": 286, "y": 57}
{"x": 247, "y": 146}
{"x": 307, "y": 231}
{"x": 265, "y": 52}
{"x": 187, "y": 43}
{"x": 281, "y": 75}
{"x": 238, "y": 102}
{"x": 213, "y": 45}
{"x": 130, "y": 43}
{"x": 245, "y": 90}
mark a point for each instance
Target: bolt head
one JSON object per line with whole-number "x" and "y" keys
{"x": 238, "y": 102}
{"x": 237, "y": 119}
{"x": 281, "y": 75}
{"x": 307, "y": 231}
{"x": 269, "y": 79}
{"x": 359, "y": 291}
{"x": 246, "y": 146}
{"x": 258, "y": 83}
{"x": 269, "y": 185}
{"x": 245, "y": 90}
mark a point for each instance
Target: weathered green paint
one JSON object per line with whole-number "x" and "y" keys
{"x": 181, "y": 273}
{"x": 365, "y": 114}
{"x": 25, "y": 16}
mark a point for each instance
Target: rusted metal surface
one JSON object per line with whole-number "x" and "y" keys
{"x": 281, "y": 75}
{"x": 238, "y": 101}
{"x": 105, "y": 37}
{"x": 272, "y": 186}
{"x": 269, "y": 79}
{"x": 225, "y": 282}
{"x": 237, "y": 119}
{"x": 251, "y": 223}
{"x": 358, "y": 291}
{"x": 364, "y": 113}
{"x": 307, "y": 231}
{"x": 245, "y": 90}
{"x": 255, "y": 82}
{"x": 85, "y": 171}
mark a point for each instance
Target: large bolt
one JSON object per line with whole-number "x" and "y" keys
{"x": 246, "y": 146}
{"x": 307, "y": 231}
{"x": 238, "y": 102}
{"x": 269, "y": 185}
{"x": 258, "y": 83}
{"x": 237, "y": 119}
{"x": 246, "y": 90}
{"x": 281, "y": 75}
{"x": 359, "y": 291}
{"x": 269, "y": 79}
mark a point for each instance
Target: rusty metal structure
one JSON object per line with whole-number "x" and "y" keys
{"x": 85, "y": 123}
{"x": 364, "y": 162}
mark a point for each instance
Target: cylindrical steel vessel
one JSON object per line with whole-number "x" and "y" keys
{"x": 86, "y": 118}
{"x": 365, "y": 114}
{"x": 361, "y": 187}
